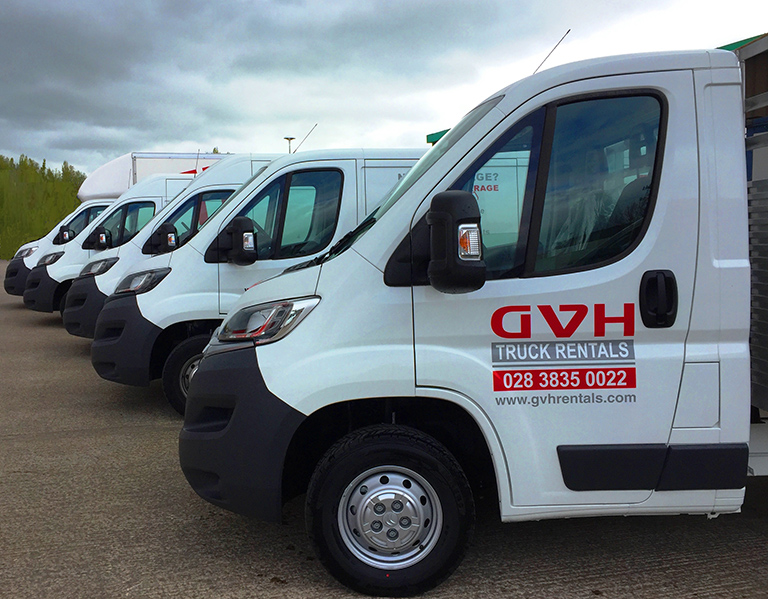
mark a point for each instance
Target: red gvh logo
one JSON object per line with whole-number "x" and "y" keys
{"x": 562, "y": 328}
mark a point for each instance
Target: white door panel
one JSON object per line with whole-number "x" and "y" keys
{"x": 567, "y": 360}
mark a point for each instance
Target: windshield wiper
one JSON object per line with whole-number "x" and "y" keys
{"x": 340, "y": 246}
{"x": 348, "y": 239}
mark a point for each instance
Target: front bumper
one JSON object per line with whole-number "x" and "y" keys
{"x": 40, "y": 291}
{"x": 235, "y": 437}
{"x": 16, "y": 277}
{"x": 122, "y": 342}
{"x": 84, "y": 303}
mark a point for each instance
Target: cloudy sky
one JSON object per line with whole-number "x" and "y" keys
{"x": 88, "y": 80}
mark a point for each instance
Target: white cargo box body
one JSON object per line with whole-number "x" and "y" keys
{"x": 114, "y": 178}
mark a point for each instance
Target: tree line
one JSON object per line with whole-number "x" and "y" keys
{"x": 33, "y": 199}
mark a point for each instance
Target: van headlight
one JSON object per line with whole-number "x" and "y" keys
{"x": 98, "y": 267}
{"x": 266, "y": 323}
{"x": 141, "y": 282}
{"x": 50, "y": 258}
{"x": 26, "y": 252}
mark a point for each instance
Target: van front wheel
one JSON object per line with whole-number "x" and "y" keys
{"x": 179, "y": 368}
{"x": 389, "y": 511}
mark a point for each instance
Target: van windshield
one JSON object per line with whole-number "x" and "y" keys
{"x": 236, "y": 193}
{"x": 435, "y": 153}
{"x": 413, "y": 175}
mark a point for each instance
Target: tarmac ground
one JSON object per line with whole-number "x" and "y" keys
{"x": 93, "y": 504}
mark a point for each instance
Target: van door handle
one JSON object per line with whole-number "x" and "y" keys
{"x": 658, "y": 299}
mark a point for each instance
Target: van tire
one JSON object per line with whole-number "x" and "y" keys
{"x": 436, "y": 514}
{"x": 63, "y": 303}
{"x": 178, "y": 368}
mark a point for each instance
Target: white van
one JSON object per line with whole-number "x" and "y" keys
{"x": 27, "y": 255}
{"x": 170, "y": 229}
{"x": 48, "y": 282}
{"x": 159, "y": 319}
{"x": 102, "y": 187}
{"x": 578, "y": 343}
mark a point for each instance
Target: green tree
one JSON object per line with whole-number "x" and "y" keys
{"x": 33, "y": 198}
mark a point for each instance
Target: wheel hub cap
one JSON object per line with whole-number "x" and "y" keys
{"x": 187, "y": 372}
{"x": 390, "y": 517}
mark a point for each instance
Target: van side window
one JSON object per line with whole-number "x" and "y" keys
{"x": 78, "y": 223}
{"x": 210, "y": 202}
{"x": 137, "y": 215}
{"x": 296, "y": 214}
{"x": 181, "y": 219}
{"x": 311, "y": 211}
{"x": 92, "y": 214}
{"x": 113, "y": 226}
{"x": 585, "y": 203}
{"x": 263, "y": 211}
{"x": 503, "y": 181}
{"x": 191, "y": 215}
{"x": 599, "y": 181}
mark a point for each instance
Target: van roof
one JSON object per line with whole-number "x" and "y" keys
{"x": 620, "y": 65}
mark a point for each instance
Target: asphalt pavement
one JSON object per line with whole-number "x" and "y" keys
{"x": 93, "y": 504}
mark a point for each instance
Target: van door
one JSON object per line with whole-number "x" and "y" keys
{"x": 574, "y": 347}
{"x": 296, "y": 215}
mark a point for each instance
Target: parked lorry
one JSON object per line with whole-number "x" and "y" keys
{"x": 577, "y": 345}
{"x": 115, "y": 177}
{"x": 102, "y": 187}
{"x": 170, "y": 229}
{"x": 48, "y": 282}
{"x": 161, "y": 315}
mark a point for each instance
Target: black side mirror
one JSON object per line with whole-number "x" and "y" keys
{"x": 163, "y": 240}
{"x": 103, "y": 239}
{"x": 236, "y": 243}
{"x": 243, "y": 236}
{"x": 65, "y": 235}
{"x": 456, "y": 256}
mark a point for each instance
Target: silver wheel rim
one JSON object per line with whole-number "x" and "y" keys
{"x": 390, "y": 517}
{"x": 187, "y": 372}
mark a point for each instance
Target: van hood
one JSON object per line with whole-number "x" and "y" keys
{"x": 287, "y": 285}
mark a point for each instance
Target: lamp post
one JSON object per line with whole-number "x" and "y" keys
{"x": 289, "y": 140}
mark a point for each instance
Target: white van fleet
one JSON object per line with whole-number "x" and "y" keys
{"x": 576, "y": 339}
{"x": 102, "y": 187}
{"x": 160, "y": 316}
{"x": 66, "y": 230}
{"x": 48, "y": 282}
{"x": 170, "y": 229}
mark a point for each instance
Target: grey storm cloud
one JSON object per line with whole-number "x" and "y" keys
{"x": 84, "y": 81}
{"x": 121, "y": 75}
